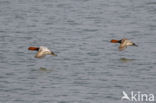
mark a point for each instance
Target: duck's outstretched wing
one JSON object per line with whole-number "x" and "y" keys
{"x": 122, "y": 47}
{"x": 40, "y": 54}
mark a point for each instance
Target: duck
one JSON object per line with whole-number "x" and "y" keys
{"x": 124, "y": 43}
{"x": 42, "y": 51}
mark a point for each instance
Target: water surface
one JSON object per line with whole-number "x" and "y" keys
{"x": 88, "y": 68}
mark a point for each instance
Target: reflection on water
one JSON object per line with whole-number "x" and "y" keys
{"x": 125, "y": 60}
{"x": 43, "y": 69}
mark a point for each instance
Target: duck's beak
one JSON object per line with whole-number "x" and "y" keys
{"x": 53, "y": 54}
{"x": 135, "y": 44}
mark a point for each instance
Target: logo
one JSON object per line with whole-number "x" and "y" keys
{"x": 138, "y": 97}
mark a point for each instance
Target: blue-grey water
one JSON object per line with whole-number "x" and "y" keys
{"x": 88, "y": 68}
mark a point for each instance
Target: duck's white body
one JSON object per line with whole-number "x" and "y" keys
{"x": 42, "y": 51}
{"x": 123, "y": 43}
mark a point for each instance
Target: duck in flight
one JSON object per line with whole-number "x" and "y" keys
{"x": 123, "y": 43}
{"x": 42, "y": 51}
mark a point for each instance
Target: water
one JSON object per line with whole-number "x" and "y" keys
{"x": 88, "y": 68}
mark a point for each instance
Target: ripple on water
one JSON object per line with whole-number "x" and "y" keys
{"x": 88, "y": 68}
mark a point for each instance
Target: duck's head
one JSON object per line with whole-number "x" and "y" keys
{"x": 33, "y": 48}
{"x": 115, "y": 41}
